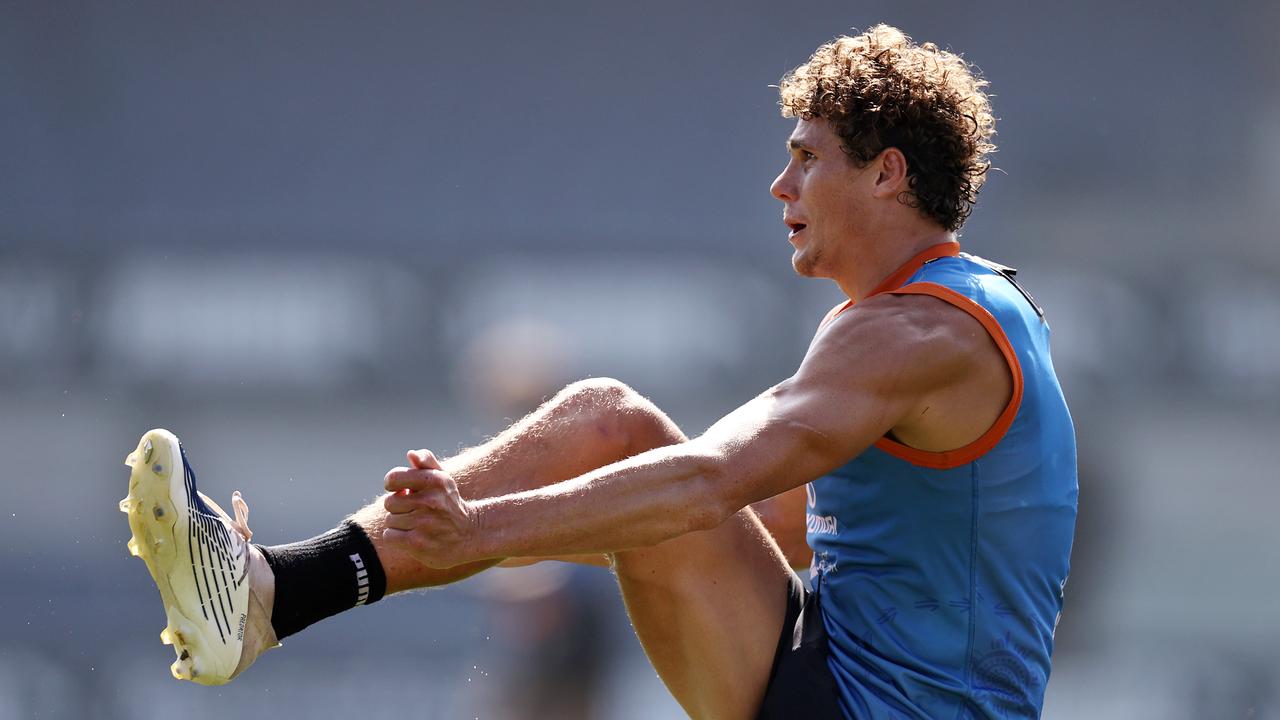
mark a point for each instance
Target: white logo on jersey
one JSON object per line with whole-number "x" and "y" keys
{"x": 821, "y": 564}
{"x": 821, "y": 524}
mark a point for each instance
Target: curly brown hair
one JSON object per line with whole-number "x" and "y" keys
{"x": 881, "y": 90}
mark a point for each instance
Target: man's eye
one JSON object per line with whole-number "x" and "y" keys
{"x": 809, "y": 156}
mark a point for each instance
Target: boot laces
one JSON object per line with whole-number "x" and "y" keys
{"x": 241, "y": 521}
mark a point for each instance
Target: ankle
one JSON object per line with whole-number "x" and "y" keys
{"x": 262, "y": 579}
{"x": 323, "y": 576}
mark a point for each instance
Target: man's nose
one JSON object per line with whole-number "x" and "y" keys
{"x": 783, "y": 186}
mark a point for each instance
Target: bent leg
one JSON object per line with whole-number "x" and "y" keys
{"x": 707, "y": 607}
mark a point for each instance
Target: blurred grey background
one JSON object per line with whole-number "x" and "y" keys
{"x": 309, "y": 236}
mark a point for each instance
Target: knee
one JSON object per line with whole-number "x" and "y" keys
{"x": 619, "y": 415}
{"x": 604, "y": 394}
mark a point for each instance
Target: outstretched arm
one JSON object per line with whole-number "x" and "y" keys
{"x": 782, "y": 515}
{"x": 873, "y": 369}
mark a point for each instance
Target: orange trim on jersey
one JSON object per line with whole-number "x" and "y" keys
{"x": 955, "y": 458}
{"x": 899, "y": 276}
{"x": 904, "y": 273}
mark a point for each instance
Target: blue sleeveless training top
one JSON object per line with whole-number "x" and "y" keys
{"x": 940, "y": 575}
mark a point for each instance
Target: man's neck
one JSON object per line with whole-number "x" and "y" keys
{"x": 879, "y": 260}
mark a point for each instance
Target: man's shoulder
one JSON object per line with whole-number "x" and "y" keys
{"x": 910, "y": 322}
{"x": 936, "y": 364}
{"x": 909, "y": 346}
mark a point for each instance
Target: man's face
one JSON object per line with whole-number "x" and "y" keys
{"x": 821, "y": 196}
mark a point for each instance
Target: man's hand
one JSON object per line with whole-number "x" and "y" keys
{"x": 428, "y": 517}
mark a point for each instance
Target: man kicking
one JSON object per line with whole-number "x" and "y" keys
{"x": 925, "y": 426}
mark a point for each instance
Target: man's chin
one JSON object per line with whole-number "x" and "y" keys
{"x": 804, "y": 265}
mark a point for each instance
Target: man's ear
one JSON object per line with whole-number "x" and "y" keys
{"x": 891, "y": 179}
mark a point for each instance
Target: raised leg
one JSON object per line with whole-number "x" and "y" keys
{"x": 707, "y": 607}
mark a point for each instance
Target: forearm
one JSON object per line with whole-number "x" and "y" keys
{"x": 755, "y": 453}
{"x": 749, "y": 456}
{"x": 641, "y": 501}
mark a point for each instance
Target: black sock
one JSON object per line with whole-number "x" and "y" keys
{"x": 323, "y": 576}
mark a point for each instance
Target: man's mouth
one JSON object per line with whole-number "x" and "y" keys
{"x": 796, "y": 227}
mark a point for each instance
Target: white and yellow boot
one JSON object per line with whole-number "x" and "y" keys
{"x": 216, "y": 587}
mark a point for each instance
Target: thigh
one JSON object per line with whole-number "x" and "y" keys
{"x": 708, "y": 608}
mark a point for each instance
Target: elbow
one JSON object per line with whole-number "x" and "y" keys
{"x": 711, "y": 503}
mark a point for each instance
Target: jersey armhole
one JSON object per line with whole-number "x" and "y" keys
{"x": 948, "y": 459}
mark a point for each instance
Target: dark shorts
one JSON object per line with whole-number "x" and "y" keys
{"x": 801, "y": 684}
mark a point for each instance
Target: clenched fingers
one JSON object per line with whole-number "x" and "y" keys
{"x": 399, "y": 502}
{"x": 403, "y": 503}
